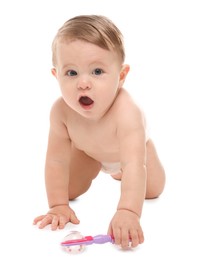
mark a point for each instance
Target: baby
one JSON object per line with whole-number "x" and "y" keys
{"x": 96, "y": 125}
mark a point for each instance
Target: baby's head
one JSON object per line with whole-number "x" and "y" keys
{"x": 95, "y": 29}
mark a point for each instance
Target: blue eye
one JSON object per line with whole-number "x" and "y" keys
{"x": 97, "y": 71}
{"x": 71, "y": 73}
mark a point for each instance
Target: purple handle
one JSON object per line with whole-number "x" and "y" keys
{"x": 101, "y": 239}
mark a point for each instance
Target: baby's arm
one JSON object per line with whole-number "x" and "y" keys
{"x": 133, "y": 183}
{"x": 126, "y": 221}
{"x": 57, "y": 173}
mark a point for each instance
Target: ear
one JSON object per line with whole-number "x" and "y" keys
{"x": 54, "y": 72}
{"x": 123, "y": 73}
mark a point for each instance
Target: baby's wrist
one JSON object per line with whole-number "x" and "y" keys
{"x": 59, "y": 205}
{"x": 130, "y": 210}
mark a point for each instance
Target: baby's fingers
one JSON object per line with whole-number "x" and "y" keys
{"x": 38, "y": 219}
{"x": 58, "y": 222}
{"x": 61, "y": 220}
{"x": 45, "y": 221}
{"x": 73, "y": 218}
{"x": 137, "y": 237}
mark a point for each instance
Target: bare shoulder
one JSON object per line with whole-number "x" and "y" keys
{"x": 129, "y": 113}
{"x": 58, "y": 116}
{"x": 127, "y": 106}
{"x": 58, "y": 110}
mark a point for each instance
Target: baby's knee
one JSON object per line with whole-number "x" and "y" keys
{"x": 155, "y": 192}
{"x": 152, "y": 195}
{"x": 78, "y": 190}
{"x": 73, "y": 196}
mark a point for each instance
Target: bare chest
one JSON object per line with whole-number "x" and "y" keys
{"x": 98, "y": 140}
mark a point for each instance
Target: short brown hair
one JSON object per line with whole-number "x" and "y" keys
{"x": 95, "y": 29}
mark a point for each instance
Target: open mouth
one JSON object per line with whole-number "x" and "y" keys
{"x": 86, "y": 101}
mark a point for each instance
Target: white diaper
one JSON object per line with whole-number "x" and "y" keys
{"x": 111, "y": 167}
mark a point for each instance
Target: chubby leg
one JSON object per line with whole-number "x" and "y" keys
{"x": 83, "y": 169}
{"x": 155, "y": 173}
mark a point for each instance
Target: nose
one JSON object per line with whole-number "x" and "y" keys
{"x": 84, "y": 83}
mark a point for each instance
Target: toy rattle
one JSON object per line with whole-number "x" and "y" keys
{"x": 74, "y": 242}
{"x": 88, "y": 240}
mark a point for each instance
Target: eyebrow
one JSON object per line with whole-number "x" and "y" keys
{"x": 67, "y": 65}
{"x": 96, "y": 62}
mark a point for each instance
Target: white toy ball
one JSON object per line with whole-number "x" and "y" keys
{"x": 75, "y": 249}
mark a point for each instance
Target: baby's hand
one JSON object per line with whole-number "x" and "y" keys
{"x": 58, "y": 217}
{"x": 125, "y": 227}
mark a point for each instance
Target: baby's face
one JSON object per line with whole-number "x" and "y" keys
{"x": 89, "y": 77}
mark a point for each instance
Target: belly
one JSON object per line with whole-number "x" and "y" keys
{"x": 104, "y": 156}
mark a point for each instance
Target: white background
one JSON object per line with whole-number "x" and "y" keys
{"x": 161, "y": 40}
